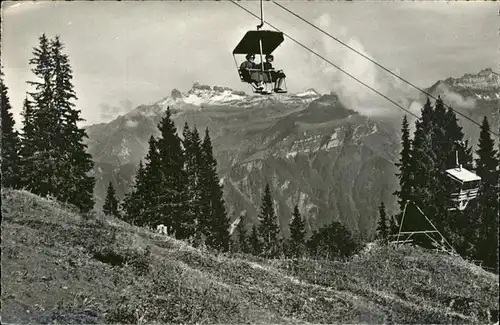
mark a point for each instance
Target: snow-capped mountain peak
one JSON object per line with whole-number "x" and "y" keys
{"x": 200, "y": 95}
{"x": 486, "y": 79}
{"x": 308, "y": 93}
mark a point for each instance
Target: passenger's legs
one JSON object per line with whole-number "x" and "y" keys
{"x": 280, "y": 82}
{"x": 257, "y": 79}
{"x": 280, "y": 78}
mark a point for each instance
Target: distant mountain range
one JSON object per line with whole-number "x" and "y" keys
{"x": 333, "y": 162}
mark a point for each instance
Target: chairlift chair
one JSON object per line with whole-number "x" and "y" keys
{"x": 260, "y": 42}
{"x": 466, "y": 185}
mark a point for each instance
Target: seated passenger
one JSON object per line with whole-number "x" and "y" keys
{"x": 276, "y": 76}
{"x": 251, "y": 76}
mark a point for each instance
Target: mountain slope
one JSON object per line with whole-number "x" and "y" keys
{"x": 314, "y": 146}
{"x": 333, "y": 162}
{"x": 64, "y": 267}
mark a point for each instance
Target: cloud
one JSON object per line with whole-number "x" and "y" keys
{"x": 351, "y": 92}
{"x": 108, "y": 112}
{"x": 454, "y": 99}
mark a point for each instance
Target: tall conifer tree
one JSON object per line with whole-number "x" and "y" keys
{"x": 404, "y": 165}
{"x": 268, "y": 227}
{"x": 242, "y": 235}
{"x": 297, "y": 234}
{"x": 111, "y": 203}
{"x": 192, "y": 152}
{"x": 393, "y": 227}
{"x": 174, "y": 187}
{"x": 28, "y": 146}
{"x": 10, "y": 142}
{"x": 422, "y": 169}
{"x": 382, "y": 228}
{"x": 487, "y": 201}
{"x": 134, "y": 202}
{"x": 54, "y": 157}
{"x": 77, "y": 187}
{"x": 255, "y": 242}
{"x": 153, "y": 188}
{"x": 45, "y": 123}
{"x": 215, "y": 220}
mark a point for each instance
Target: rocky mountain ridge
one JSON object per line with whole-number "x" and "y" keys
{"x": 333, "y": 162}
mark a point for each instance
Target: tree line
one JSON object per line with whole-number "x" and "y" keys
{"x": 423, "y": 160}
{"x": 265, "y": 239}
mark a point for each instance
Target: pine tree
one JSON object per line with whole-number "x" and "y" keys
{"x": 242, "y": 235}
{"x": 420, "y": 169}
{"x": 76, "y": 186}
{"x": 455, "y": 135}
{"x": 268, "y": 227}
{"x": 454, "y": 225}
{"x": 10, "y": 142}
{"x": 192, "y": 152}
{"x": 255, "y": 242}
{"x": 393, "y": 227}
{"x": 382, "y": 228}
{"x": 134, "y": 204}
{"x": 297, "y": 234}
{"x": 487, "y": 201}
{"x": 54, "y": 158}
{"x": 173, "y": 187}
{"x": 42, "y": 165}
{"x": 28, "y": 146}
{"x": 442, "y": 144}
{"x": 215, "y": 220}
{"x": 111, "y": 203}
{"x": 404, "y": 165}
{"x": 153, "y": 188}
{"x": 443, "y": 148}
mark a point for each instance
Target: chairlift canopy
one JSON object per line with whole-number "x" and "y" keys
{"x": 462, "y": 175}
{"x": 250, "y": 42}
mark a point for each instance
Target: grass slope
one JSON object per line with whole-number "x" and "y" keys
{"x": 60, "y": 266}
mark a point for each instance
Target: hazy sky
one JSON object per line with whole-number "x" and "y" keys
{"x": 129, "y": 53}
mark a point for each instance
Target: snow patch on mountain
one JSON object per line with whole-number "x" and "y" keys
{"x": 253, "y": 165}
{"x": 488, "y": 97}
{"x": 333, "y": 142}
{"x": 285, "y": 185}
{"x": 131, "y": 123}
{"x": 123, "y": 151}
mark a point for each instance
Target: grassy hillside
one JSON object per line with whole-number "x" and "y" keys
{"x": 60, "y": 266}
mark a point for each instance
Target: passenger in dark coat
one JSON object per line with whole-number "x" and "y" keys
{"x": 276, "y": 76}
